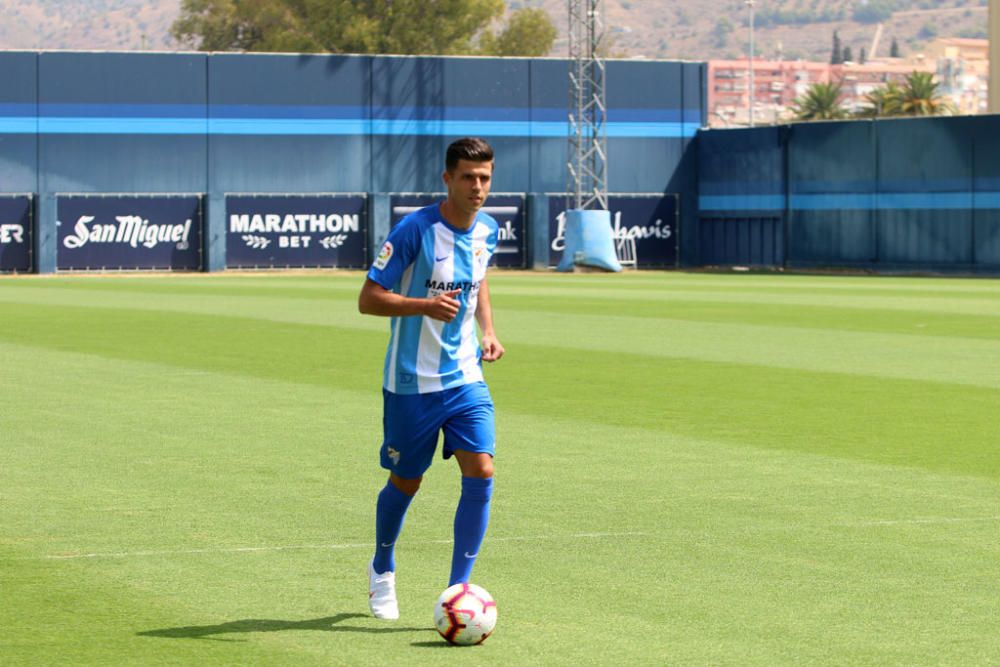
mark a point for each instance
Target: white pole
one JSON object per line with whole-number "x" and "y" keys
{"x": 994, "y": 55}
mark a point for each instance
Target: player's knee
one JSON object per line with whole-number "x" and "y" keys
{"x": 407, "y": 486}
{"x": 483, "y": 468}
{"x": 474, "y": 464}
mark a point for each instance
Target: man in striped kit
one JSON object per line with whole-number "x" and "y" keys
{"x": 430, "y": 278}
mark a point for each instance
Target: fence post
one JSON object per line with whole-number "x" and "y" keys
{"x": 379, "y": 217}
{"x": 46, "y": 236}
{"x": 538, "y": 231}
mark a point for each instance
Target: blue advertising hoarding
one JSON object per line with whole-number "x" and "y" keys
{"x": 651, "y": 220}
{"x": 508, "y": 210}
{"x": 308, "y": 230}
{"x": 128, "y": 231}
{"x": 15, "y": 233}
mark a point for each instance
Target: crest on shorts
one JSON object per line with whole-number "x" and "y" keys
{"x": 394, "y": 455}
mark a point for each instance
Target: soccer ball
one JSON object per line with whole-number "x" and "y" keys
{"x": 465, "y": 614}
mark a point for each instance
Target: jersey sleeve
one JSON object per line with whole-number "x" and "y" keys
{"x": 398, "y": 252}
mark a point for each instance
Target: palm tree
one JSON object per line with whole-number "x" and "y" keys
{"x": 884, "y": 101}
{"x": 821, "y": 101}
{"x": 919, "y": 97}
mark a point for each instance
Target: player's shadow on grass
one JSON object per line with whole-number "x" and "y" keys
{"x": 439, "y": 643}
{"x": 325, "y": 624}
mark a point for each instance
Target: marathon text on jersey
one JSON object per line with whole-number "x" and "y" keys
{"x": 441, "y": 286}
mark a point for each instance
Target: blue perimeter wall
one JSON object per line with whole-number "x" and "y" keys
{"x": 895, "y": 195}
{"x": 215, "y": 123}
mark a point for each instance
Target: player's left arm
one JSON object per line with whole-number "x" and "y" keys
{"x": 492, "y": 349}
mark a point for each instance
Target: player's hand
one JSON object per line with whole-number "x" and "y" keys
{"x": 444, "y": 306}
{"x": 492, "y": 349}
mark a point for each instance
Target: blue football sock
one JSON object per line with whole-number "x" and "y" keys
{"x": 471, "y": 518}
{"x": 389, "y": 514}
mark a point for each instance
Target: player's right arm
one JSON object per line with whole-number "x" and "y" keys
{"x": 377, "y": 300}
{"x": 400, "y": 250}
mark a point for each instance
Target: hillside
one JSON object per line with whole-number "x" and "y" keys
{"x": 102, "y": 25}
{"x": 789, "y": 29}
{"x": 681, "y": 29}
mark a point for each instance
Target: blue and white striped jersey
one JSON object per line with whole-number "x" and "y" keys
{"x": 423, "y": 257}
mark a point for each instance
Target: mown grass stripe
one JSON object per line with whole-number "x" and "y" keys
{"x": 852, "y": 415}
{"x": 935, "y": 317}
{"x": 625, "y": 283}
{"x": 929, "y": 358}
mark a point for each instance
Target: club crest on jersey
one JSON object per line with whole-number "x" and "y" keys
{"x": 480, "y": 256}
{"x": 384, "y": 255}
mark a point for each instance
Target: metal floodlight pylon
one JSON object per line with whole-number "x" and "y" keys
{"x": 588, "y": 153}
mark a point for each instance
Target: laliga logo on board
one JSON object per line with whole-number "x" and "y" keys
{"x": 658, "y": 230}
{"x": 132, "y": 230}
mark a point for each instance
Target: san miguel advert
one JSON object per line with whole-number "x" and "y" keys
{"x": 162, "y": 232}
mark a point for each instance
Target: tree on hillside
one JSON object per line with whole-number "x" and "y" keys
{"x": 821, "y": 101}
{"x": 873, "y": 11}
{"x": 721, "y": 31}
{"x": 894, "y": 49}
{"x": 529, "y": 32}
{"x": 927, "y": 31}
{"x": 848, "y": 54}
{"x": 836, "y": 54}
{"x": 225, "y": 25}
{"x": 439, "y": 27}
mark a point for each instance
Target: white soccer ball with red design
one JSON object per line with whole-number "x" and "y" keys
{"x": 465, "y": 614}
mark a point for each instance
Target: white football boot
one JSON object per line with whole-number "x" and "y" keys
{"x": 382, "y": 594}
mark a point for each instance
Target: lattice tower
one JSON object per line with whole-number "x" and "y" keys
{"x": 588, "y": 145}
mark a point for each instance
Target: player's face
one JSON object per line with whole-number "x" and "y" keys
{"x": 469, "y": 184}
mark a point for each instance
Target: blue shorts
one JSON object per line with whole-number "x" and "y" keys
{"x": 411, "y": 423}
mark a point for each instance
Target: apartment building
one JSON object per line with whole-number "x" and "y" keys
{"x": 960, "y": 65}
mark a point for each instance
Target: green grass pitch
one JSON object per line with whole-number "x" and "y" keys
{"x": 692, "y": 470}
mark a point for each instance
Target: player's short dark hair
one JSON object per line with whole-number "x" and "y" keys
{"x": 472, "y": 149}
